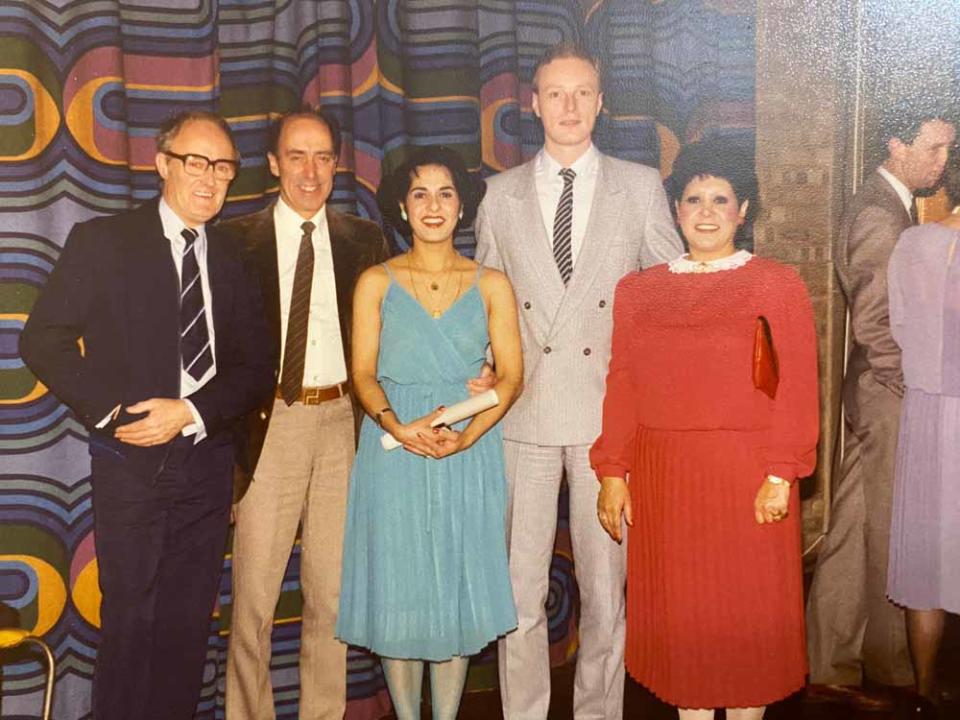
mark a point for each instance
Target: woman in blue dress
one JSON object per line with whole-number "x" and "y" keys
{"x": 425, "y": 574}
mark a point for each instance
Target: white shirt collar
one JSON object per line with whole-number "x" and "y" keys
{"x": 684, "y": 264}
{"x": 583, "y": 165}
{"x": 173, "y": 225}
{"x": 288, "y": 221}
{"x": 906, "y": 197}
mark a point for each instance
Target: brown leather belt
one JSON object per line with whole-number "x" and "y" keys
{"x": 317, "y": 395}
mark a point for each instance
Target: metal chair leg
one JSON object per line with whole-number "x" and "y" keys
{"x": 14, "y": 637}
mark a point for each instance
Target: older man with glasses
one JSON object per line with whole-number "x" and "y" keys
{"x": 174, "y": 350}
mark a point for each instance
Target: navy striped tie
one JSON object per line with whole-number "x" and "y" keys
{"x": 562, "y": 221}
{"x": 195, "y": 352}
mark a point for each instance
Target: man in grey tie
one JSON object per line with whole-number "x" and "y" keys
{"x": 598, "y": 219}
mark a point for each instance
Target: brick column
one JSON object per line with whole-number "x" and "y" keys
{"x": 806, "y": 99}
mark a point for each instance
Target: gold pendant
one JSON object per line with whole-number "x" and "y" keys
{"x": 436, "y": 314}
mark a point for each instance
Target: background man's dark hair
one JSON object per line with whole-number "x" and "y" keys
{"x": 307, "y": 111}
{"x": 905, "y": 118}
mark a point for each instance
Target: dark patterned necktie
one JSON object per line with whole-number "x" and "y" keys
{"x": 562, "y": 222}
{"x": 295, "y": 348}
{"x": 195, "y": 353}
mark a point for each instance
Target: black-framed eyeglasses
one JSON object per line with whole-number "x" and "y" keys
{"x": 194, "y": 164}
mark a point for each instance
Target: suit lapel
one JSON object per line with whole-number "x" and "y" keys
{"x": 602, "y": 223}
{"x": 153, "y": 299}
{"x": 221, "y": 289}
{"x": 890, "y": 197}
{"x": 264, "y": 254}
{"x": 536, "y": 253}
{"x": 345, "y": 262}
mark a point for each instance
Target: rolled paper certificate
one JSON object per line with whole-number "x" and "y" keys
{"x": 455, "y": 413}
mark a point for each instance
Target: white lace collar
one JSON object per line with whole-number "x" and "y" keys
{"x": 684, "y": 264}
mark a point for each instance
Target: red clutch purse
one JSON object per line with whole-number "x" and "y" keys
{"x": 766, "y": 370}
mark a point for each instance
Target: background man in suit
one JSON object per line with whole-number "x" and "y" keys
{"x": 173, "y": 332}
{"x": 852, "y": 628}
{"x": 299, "y": 445}
{"x": 565, "y": 227}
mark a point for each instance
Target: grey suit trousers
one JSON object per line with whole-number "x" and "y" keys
{"x": 853, "y": 630}
{"x": 533, "y": 475}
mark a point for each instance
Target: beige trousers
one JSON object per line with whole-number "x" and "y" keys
{"x": 302, "y": 475}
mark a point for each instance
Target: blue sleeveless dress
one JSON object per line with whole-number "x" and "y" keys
{"x": 425, "y": 571}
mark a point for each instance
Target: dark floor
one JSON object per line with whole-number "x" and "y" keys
{"x": 641, "y": 705}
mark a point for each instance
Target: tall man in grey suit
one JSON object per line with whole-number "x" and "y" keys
{"x": 565, "y": 227}
{"x": 298, "y": 447}
{"x": 853, "y": 630}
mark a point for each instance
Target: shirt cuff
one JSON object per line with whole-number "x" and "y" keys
{"x": 196, "y": 428}
{"x": 611, "y": 470}
{"x": 107, "y": 418}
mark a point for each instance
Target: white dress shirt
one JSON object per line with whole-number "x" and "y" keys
{"x": 906, "y": 197}
{"x": 325, "y": 364}
{"x": 173, "y": 226}
{"x": 549, "y": 185}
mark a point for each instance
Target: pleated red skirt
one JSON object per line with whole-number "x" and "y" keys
{"x": 714, "y": 600}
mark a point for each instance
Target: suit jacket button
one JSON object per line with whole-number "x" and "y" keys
{"x": 603, "y": 303}
{"x": 547, "y": 350}
{"x": 586, "y": 351}
{"x": 263, "y": 415}
{"x": 526, "y": 305}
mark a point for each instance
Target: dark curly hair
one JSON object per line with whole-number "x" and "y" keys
{"x": 396, "y": 184}
{"x": 726, "y": 158}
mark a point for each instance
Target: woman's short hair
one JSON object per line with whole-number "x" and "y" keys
{"x": 727, "y": 158}
{"x": 396, "y": 184}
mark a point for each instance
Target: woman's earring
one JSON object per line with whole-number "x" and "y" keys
{"x": 403, "y": 213}
{"x": 461, "y": 214}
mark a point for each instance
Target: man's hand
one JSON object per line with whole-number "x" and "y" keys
{"x": 612, "y": 502}
{"x": 165, "y": 418}
{"x": 485, "y": 381}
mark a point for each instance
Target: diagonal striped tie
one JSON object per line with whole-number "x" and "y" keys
{"x": 562, "y": 222}
{"x": 195, "y": 352}
{"x": 295, "y": 347}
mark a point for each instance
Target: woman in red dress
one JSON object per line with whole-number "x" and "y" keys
{"x": 701, "y": 464}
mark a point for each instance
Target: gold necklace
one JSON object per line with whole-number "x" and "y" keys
{"x": 435, "y": 309}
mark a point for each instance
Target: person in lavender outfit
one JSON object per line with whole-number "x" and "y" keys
{"x": 923, "y": 574}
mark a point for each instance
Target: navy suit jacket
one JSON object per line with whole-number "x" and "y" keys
{"x": 116, "y": 287}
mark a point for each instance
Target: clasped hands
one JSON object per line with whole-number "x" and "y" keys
{"x": 421, "y": 439}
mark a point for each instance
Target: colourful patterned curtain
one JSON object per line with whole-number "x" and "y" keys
{"x": 83, "y": 87}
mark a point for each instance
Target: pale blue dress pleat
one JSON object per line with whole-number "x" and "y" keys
{"x": 425, "y": 571}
